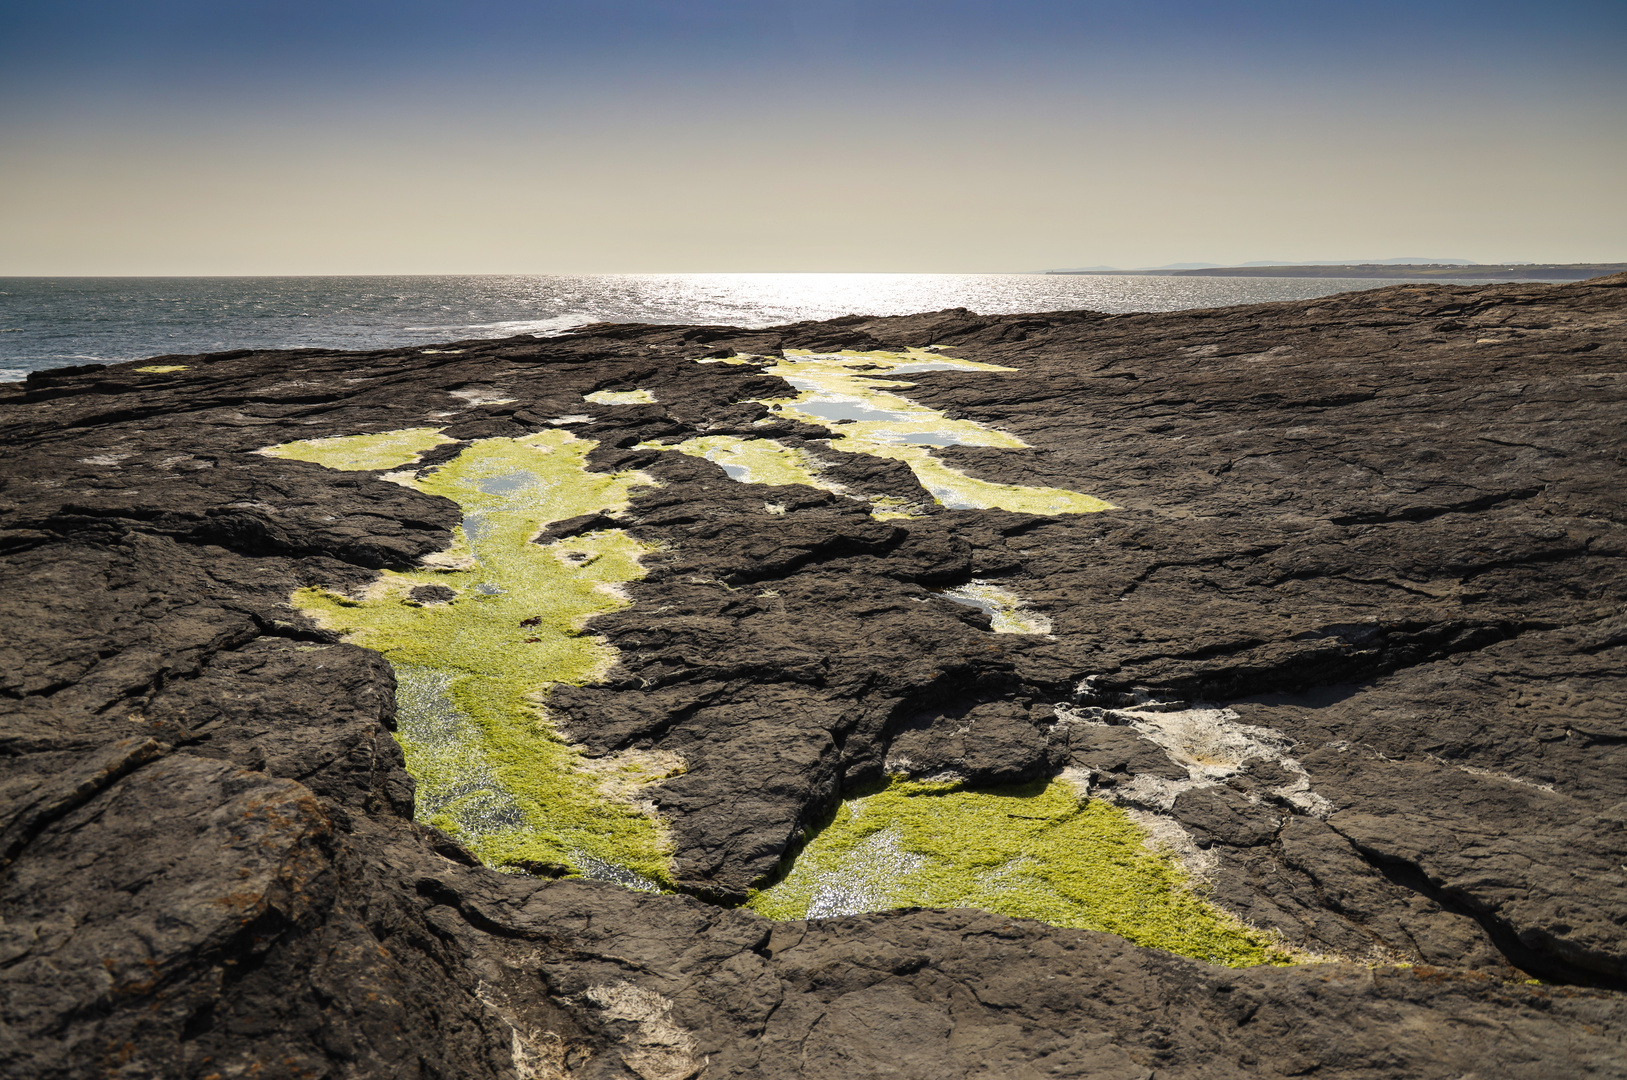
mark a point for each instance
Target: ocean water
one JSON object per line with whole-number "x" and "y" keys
{"x": 55, "y": 322}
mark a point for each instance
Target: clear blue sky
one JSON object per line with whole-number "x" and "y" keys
{"x": 413, "y": 136}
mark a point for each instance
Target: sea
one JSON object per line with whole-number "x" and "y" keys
{"x": 50, "y": 322}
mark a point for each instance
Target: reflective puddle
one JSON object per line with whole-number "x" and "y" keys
{"x": 754, "y": 461}
{"x": 851, "y": 395}
{"x": 454, "y": 778}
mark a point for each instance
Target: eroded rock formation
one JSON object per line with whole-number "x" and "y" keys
{"x": 1352, "y": 641}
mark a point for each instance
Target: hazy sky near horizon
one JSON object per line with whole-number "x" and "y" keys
{"x": 497, "y": 136}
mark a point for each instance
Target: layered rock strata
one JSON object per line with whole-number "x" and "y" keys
{"x": 1350, "y": 642}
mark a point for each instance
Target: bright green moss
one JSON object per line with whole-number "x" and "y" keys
{"x": 847, "y": 393}
{"x": 753, "y": 461}
{"x": 474, "y": 671}
{"x": 620, "y": 397}
{"x": 386, "y": 450}
{"x": 162, "y": 369}
{"x": 1031, "y": 851}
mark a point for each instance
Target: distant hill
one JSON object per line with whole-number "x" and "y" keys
{"x": 1408, "y": 260}
{"x": 1393, "y": 269}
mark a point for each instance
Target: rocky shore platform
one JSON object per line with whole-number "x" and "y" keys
{"x": 1324, "y": 600}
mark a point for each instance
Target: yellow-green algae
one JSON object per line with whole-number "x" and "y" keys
{"x": 1008, "y": 612}
{"x": 1029, "y": 851}
{"x": 620, "y": 397}
{"x": 753, "y": 461}
{"x": 767, "y": 461}
{"x": 161, "y": 369}
{"x": 891, "y": 507}
{"x": 386, "y": 450}
{"x": 843, "y": 393}
{"x": 474, "y": 671}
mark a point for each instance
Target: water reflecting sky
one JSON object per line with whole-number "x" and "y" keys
{"x": 51, "y": 322}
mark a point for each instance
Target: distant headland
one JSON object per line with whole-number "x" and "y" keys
{"x": 1408, "y": 271}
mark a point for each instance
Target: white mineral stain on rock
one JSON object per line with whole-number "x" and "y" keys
{"x": 538, "y": 1054}
{"x": 658, "y": 1048}
{"x": 1009, "y": 611}
{"x": 1165, "y": 834}
{"x": 185, "y": 461}
{"x": 624, "y": 775}
{"x": 1492, "y": 774}
{"x": 483, "y": 395}
{"x": 1211, "y": 744}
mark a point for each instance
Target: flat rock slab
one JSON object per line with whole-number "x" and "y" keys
{"x": 1369, "y": 546}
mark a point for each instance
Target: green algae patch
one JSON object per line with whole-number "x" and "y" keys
{"x": 620, "y": 397}
{"x": 1029, "y": 851}
{"x": 754, "y": 461}
{"x": 386, "y": 450}
{"x": 161, "y": 369}
{"x": 480, "y": 635}
{"x": 957, "y": 491}
{"x": 850, "y": 394}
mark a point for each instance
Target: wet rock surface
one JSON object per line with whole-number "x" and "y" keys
{"x": 1355, "y": 636}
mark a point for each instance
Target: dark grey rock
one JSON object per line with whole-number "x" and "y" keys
{"x": 1220, "y": 815}
{"x": 1387, "y": 526}
{"x": 991, "y": 743}
{"x": 1119, "y": 753}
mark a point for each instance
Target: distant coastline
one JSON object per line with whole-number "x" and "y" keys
{"x": 1410, "y": 272}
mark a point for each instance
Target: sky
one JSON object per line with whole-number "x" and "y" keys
{"x": 202, "y": 137}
